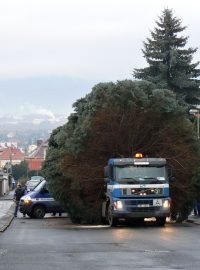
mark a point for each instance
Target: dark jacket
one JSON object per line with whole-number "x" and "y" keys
{"x": 19, "y": 192}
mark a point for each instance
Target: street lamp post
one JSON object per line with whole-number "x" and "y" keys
{"x": 10, "y": 176}
{"x": 196, "y": 113}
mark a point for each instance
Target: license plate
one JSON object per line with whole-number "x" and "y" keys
{"x": 143, "y": 205}
{"x": 157, "y": 202}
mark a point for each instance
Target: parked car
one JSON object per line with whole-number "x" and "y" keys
{"x": 37, "y": 177}
{"x": 39, "y": 202}
{"x": 31, "y": 184}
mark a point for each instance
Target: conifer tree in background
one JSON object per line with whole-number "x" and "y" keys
{"x": 170, "y": 63}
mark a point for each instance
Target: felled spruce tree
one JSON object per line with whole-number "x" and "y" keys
{"x": 117, "y": 120}
{"x": 169, "y": 62}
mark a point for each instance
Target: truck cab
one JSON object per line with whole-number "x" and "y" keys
{"x": 136, "y": 188}
{"x": 39, "y": 202}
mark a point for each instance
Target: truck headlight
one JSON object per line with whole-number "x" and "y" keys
{"x": 166, "y": 204}
{"x": 27, "y": 200}
{"x": 118, "y": 205}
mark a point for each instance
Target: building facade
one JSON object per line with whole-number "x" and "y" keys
{"x": 37, "y": 157}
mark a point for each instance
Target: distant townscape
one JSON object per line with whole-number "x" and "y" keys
{"x": 24, "y": 139}
{"x": 24, "y": 131}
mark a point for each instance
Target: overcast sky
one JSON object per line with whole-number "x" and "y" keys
{"x": 91, "y": 40}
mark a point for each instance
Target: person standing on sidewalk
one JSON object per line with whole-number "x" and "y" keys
{"x": 19, "y": 192}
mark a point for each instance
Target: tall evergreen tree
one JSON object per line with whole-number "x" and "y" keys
{"x": 169, "y": 62}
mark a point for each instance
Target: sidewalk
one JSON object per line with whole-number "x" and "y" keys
{"x": 194, "y": 219}
{"x": 7, "y": 207}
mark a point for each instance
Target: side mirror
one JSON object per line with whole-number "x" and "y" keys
{"x": 172, "y": 179}
{"x": 171, "y": 173}
{"x": 108, "y": 172}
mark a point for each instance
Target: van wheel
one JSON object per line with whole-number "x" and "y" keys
{"x": 112, "y": 221}
{"x": 39, "y": 211}
{"x": 30, "y": 215}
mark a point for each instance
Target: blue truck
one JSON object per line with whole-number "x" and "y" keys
{"x": 137, "y": 188}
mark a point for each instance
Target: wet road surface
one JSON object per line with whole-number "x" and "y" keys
{"x": 55, "y": 244}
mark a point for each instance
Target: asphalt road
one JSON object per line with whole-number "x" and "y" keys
{"x": 54, "y": 244}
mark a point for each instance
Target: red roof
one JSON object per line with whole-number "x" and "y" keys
{"x": 11, "y": 153}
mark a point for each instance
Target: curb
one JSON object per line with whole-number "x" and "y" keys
{"x": 7, "y": 219}
{"x": 196, "y": 222}
{"x": 190, "y": 221}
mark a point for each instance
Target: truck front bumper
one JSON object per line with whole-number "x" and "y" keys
{"x": 145, "y": 213}
{"x": 141, "y": 208}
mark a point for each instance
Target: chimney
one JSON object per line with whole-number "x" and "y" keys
{"x": 39, "y": 142}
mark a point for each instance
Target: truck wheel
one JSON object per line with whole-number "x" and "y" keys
{"x": 39, "y": 211}
{"x": 104, "y": 221}
{"x": 111, "y": 220}
{"x": 160, "y": 221}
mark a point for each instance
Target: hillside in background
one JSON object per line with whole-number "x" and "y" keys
{"x": 28, "y": 129}
{"x": 31, "y": 108}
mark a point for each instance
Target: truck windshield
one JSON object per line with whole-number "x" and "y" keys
{"x": 141, "y": 174}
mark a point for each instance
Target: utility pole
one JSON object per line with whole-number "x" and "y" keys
{"x": 11, "y": 163}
